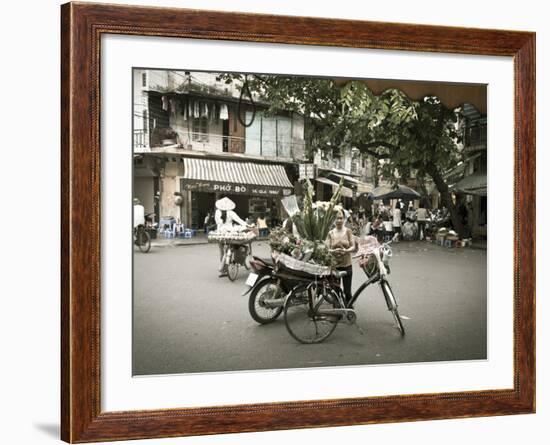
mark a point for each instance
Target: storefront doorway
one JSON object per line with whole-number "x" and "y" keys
{"x": 201, "y": 204}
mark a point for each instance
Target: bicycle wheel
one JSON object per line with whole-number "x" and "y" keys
{"x": 259, "y": 311}
{"x": 392, "y": 305}
{"x": 143, "y": 241}
{"x": 232, "y": 270}
{"x": 304, "y": 317}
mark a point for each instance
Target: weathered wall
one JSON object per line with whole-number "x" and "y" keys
{"x": 170, "y": 183}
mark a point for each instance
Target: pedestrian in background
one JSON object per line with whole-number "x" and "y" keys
{"x": 421, "y": 217}
{"x": 396, "y": 222}
{"x": 207, "y": 222}
{"x": 262, "y": 225}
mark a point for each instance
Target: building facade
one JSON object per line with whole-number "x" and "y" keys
{"x": 195, "y": 141}
{"x": 473, "y": 185}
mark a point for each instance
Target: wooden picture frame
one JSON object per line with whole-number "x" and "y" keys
{"x": 82, "y": 26}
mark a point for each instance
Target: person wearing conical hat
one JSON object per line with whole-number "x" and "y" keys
{"x": 225, "y": 219}
{"x": 225, "y": 216}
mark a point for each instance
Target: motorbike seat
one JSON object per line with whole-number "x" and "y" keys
{"x": 339, "y": 273}
{"x": 267, "y": 261}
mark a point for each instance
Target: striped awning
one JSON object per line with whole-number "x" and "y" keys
{"x": 235, "y": 177}
{"x": 346, "y": 192}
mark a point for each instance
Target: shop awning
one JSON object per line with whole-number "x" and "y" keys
{"x": 360, "y": 186}
{"x": 326, "y": 181}
{"x": 475, "y": 184}
{"x": 346, "y": 192}
{"x": 235, "y": 177}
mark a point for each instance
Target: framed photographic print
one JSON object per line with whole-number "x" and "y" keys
{"x": 284, "y": 222}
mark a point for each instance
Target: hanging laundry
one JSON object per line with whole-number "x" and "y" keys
{"x": 224, "y": 114}
{"x": 164, "y": 103}
{"x": 183, "y": 107}
{"x": 173, "y": 106}
{"x": 212, "y": 112}
{"x": 197, "y": 110}
{"x": 205, "y": 110}
{"x": 189, "y": 109}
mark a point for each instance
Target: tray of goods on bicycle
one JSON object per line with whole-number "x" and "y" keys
{"x": 231, "y": 237}
{"x": 303, "y": 266}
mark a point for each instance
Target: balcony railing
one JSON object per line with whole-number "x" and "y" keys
{"x": 217, "y": 143}
{"x": 475, "y": 137}
{"x": 140, "y": 139}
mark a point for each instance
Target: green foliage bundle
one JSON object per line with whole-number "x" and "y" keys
{"x": 315, "y": 252}
{"x": 316, "y": 218}
{"x": 313, "y": 223}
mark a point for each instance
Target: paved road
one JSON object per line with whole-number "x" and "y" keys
{"x": 186, "y": 319}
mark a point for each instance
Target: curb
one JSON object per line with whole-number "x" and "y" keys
{"x": 196, "y": 243}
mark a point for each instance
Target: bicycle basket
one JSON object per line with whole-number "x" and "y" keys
{"x": 303, "y": 267}
{"x": 369, "y": 264}
{"x": 367, "y": 245}
{"x": 240, "y": 253}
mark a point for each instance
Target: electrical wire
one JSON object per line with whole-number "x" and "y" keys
{"x": 246, "y": 90}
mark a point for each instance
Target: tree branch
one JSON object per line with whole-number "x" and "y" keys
{"x": 366, "y": 148}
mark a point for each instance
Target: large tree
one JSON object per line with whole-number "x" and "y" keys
{"x": 400, "y": 135}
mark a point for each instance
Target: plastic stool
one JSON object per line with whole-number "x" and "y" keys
{"x": 188, "y": 233}
{"x": 448, "y": 243}
{"x": 387, "y": 238}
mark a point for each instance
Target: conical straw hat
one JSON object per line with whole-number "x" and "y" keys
{"x": 225, "y": 204}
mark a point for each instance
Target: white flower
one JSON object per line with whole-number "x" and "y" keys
{"x": 322, "y": 205}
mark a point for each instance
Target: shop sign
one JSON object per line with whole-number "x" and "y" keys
{"x": 308, "y": 171}
{"x": 234, "y": 189}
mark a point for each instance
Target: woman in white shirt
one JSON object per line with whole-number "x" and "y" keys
{"x": 226, "y": 219}
{"x": 225, "y": 216}
{"x": 396, "y": 222}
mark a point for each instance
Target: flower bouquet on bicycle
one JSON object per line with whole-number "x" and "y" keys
{"x": 313, "y": 308}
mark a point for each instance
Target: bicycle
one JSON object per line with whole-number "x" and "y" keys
{"x": 142, "y": 239}
{"x": 313, "y": 309}
{"x": 235, "y": 254}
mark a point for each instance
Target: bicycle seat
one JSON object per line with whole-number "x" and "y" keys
{"x": 339, "y": 273}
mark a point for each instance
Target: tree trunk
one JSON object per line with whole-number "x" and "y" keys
{"x": 443, "y": 189}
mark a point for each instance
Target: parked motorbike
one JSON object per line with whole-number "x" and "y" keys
{"x": 268, "y": 287}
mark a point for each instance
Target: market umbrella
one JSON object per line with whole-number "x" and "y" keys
{"x": 389, "y": 192}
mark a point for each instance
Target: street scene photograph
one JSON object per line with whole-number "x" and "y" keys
{"x": 284, "y": 221}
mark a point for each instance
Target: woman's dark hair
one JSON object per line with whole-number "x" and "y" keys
{"x": 224, "y": 216}
{"x": 288, "y": 225}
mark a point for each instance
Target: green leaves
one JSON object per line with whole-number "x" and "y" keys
{"x": 316, "y": 218}
{"x": 407, "y": 135}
